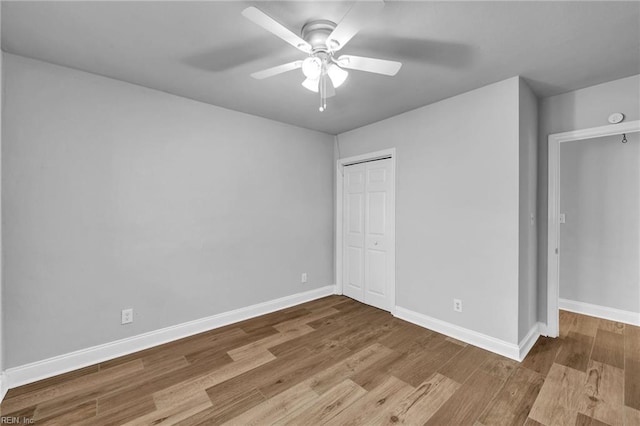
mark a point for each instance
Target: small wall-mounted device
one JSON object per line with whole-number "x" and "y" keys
{"x": 616, "y": 118}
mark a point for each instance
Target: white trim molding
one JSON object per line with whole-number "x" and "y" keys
{"x": 50, "y": 367}
{"x": 528, "y": 341}
{"x": 500, "y": 347}
{"x": 340, "y": 164}
{"x": 553, "y": 231}
{"x": 3, "y": 386}
{"x": 613, "y": 314}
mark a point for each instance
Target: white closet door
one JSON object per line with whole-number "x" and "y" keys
{"x": 354, "y": 231}
{"x": 368, "y": 205}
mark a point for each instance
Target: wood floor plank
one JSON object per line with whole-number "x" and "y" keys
{"x": 632, "y": 366}
{"x": 348, "y": 367}
{"x": 221, "y": 413}
{"x": 378, "y": 372}
{"x": 424, "y": 401}
{"x": 71, "y": 416}
{"x": 612, "y": 326}
{"x": 568, "y": 321}
{"x": 575, "y": 351}
{"x": 512, "y": 404}
{"x": 603, "y": 393}
{"x": 249, "y": 350}
{"x": 304, "y": 320}
{"x": 52, "y": 382}
{"x": 173, "y": 414}
{"x": 464, "y": 363}
{"x": 324, "y": 302}
{"x": 155, "y": 378}
{"x": 609, "y": 348}
{"x": 420, "y": 366}
{"x": 499, "y": 367}
{"x": 184, "y": 390}
{"x": 409, "y": 338}
{"x": 374, "y": 407}
{"x": 278, "y": 407}
{"x": 327, "y": 331}
{"x": 327, "y": 406}
{"x": 213, "y": 348}
{"x": 229, "y": 390}
{"x": 631, "y": 416}
{"x": 558, "y": 400}
{"x": 124, "y": 413}
{"x": 272, "y": 319}
{"x": 77, "y": 385}
{"x": 469, "y": 401}
{"x": 583, "y": 420}
{"x": 299, "y": 371}
{"x": 586, "y": 325}
{"x": 543, "y": 354}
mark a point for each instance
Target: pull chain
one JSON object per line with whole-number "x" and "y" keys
{"x": 323, "y": 93}
{"x": 624, "y": 138}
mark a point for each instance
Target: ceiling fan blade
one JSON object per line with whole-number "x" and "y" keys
{"x": 378, "y": 66}
{"x": 358, "y": 16}
{"x": 270, "y": 72}
{"x": 274, "y": 27}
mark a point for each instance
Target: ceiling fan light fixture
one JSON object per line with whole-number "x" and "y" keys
{"x": 337, "y": 75}
{"x": 312, "y": 67}
{"x": 311, "y": 84}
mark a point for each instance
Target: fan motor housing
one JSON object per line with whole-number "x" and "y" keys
{"x": 316, "y": 33}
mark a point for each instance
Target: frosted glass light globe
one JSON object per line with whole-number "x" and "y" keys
{"x": 312, "y": 67}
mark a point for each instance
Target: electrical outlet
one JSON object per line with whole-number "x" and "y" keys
{"x": 457, "y": 305}
{"x": 127, "y": 316}
{"x": 303, "y": 278}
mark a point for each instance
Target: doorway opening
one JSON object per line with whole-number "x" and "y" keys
{"x": 556, "y": 217}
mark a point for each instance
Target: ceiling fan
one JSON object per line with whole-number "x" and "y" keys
{"x": 321, "y": 40}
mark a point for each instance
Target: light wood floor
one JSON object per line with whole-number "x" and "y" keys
{"x": 339, "y": 362}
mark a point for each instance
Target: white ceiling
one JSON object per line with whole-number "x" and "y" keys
{"x": 206, "y": 50}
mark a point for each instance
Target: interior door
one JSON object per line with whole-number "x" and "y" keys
{"x": 354, "y": 231}
{"x": 368, "y": 203}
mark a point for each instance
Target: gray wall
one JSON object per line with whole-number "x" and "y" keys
{"x": 600, "y": 241}
{"x": 528, "y": 286}
{"x": 2, "y": 347}
{"x": 456, "y": 206}
{"x": 580, "y": 109}
{"x": 118, "y": 196}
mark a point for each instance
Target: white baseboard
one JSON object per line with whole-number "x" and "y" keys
{"x": 542, "y": 328}
{"x": 613, "y": 314}
{"x": 50, "y": 367}
{"x": 509, "y": 350}
{"x": 529, "y": 340}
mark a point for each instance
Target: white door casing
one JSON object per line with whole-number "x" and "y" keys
{"x": 366, "y": 262}
{"x": 553, "y": 228}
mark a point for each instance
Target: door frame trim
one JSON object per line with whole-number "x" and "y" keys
{"x": 340, "y": 164}
{"x": 553, "y": 200}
